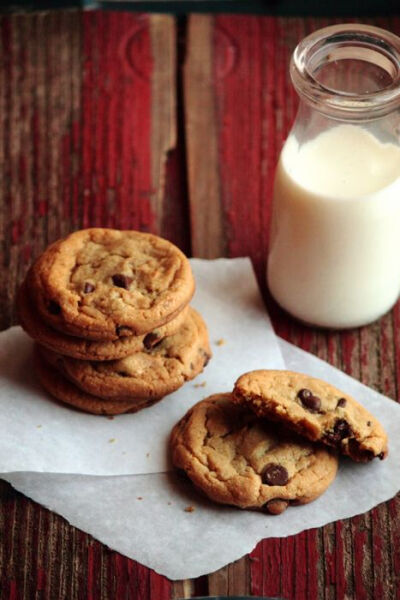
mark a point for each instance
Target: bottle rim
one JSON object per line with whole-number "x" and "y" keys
{"x": 340, "y": 40}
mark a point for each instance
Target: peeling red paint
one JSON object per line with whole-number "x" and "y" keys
{"x": 116, "y": 121}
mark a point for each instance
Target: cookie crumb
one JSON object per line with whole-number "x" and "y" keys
{"x": 169, "y": 503}
{"x": 148, "y": 454}
{"x": 110, "y": 417}
{"x": 189, "y": 509}
{"x": 199, "y": 385}
{"x": 220, "y": 342}
{"x": 139, "y": 498}
{"x": 112, "y": 440}
{"x": 38, "y": 426}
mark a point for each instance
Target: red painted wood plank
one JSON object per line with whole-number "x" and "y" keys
{"x": 87, "y": 162}
{"x": 160, "y": 586}
{"x": 270, "y": 567}
{"x": 255, "y": 558}
{"x": 255, "y": 104}
{"x": 340, "y": 579}
{"x": 116, "y": 168}
{"x": 92, "y": 583}
{"x": 120, "y": 574}
{"x": 238, "y": 111}
{"x": 312, "y": 558}
{"x": 116, "y": 120}
{"x": 75, "y": 148}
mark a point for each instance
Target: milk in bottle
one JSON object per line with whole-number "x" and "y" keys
{"x": 335, "y": 257}
{"x": 334, "y": 247}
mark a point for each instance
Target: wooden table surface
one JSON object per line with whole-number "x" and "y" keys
{"x": 138, "y": 121}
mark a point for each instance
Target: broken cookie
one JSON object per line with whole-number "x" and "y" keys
{"x": 314, "y": 409}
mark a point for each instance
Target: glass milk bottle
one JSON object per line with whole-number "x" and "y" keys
{"x": 334, "y": 255}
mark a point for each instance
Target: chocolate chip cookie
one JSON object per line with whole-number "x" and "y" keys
{"x": 237, "y": 458}
{"x": 62, "y": 389}
{"x": 102, "y": 284}
{"x": 314, "y": 409}
{"x": 155, "y": 372}
{"x": 82, "y": 349}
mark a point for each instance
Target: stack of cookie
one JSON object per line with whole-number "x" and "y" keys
{"x": 110, "y": 313}
{"x": 274, "y": 440}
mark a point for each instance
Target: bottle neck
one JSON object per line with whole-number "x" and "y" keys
{"x": 349, "y": 72}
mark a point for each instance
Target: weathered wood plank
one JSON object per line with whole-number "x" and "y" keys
{"x": 254, "y": 104}
{"x": 164, "y": 107}
{"x": 85, "y": 133}
{"x": 232, "y": 580}
{"x": 81, "y": 142}
{"x": 116, "y": 167}
{"x": 207, "y": 225}
{"x": 36, "y": 50}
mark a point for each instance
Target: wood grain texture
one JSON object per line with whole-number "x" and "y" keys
{"x": 253, "y": 106}
{"x": 164, "y": 105}
{"x": 207, "y": 226}
{"x": 232, "y": 580}
{"x": 116, "y": 98}
{"x": 89, "y": 136}
{"x": 85, "y": 134}
{"x": 34, "y": 122}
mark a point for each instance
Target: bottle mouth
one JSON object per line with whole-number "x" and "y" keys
{"x": 349, "y": 71}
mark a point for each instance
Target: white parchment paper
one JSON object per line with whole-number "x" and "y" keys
{"x": 39, "y": 434}
{"x": 143, "y": 515}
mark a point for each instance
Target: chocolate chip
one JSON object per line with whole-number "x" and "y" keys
{"x": 312, "y": 403}
{"x": 121, "y": 281}
{"x": 367, "y": 456}
{"x": 342, "y": 429}
{"x": 183, "y": 476}
{"x": 89, "y": 287}
{"x": 341, "y": 403}
{"x": 333, "y": 439}
{"x": 151, "y": 340}
{"x": 122, "y": 331}
{"x": 381, "y": 456}
{"x": 54, "y": 308}
{"x": 369, "y": 423}
{"x": 358, "y": 453}
{"x": 274, "y": 474}
{"x": 276, "y": 506}
{"x": 205, "y": 356}
{"x": 123, "y": 374}
{"x": 206, "y": 359}
{"x": 304, "y": 394}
